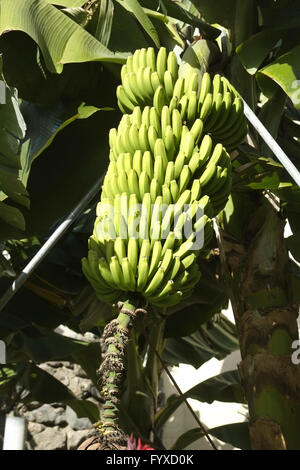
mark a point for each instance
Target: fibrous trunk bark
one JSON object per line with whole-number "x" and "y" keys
{"x": 112, "y": 375}
{"x": 267, "y": 327}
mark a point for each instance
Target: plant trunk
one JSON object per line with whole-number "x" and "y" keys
{"x": 112, "y": 375}
{"x": 267, "y": 327}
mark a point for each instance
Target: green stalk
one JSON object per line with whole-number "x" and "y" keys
{"x": 113, "y": 371}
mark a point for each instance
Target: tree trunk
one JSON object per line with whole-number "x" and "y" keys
{"x": 267, "y": 327}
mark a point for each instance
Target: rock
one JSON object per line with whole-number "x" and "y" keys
{"x": 91, "y": 337}
{"x": 94, "y": 392}
{"x": 33, "y": 405}
{"x": 75, "y": 438}
{"x": 46, "y": 414}
{"x": 79, "y": 372}
{"x": 35, "y": 428}
{"x": 64, "y": 375}
{"x": 55, "y": 426}
{"x": 65, "y": 331}
{"x": 80, "y": 387}
{"x": 75, "y": 422}
{"x": 50, "y": 439}
{"x": 54, "y": 364}
{"x": 61, "y": 420}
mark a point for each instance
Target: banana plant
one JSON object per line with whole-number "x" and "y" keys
{"x": 252, "y": 43}
{"x": 169, "y": 170}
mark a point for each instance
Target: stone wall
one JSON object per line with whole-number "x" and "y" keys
{"x": 56, "y": 426}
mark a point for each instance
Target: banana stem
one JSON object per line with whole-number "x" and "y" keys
{"x": 113, "y": 371}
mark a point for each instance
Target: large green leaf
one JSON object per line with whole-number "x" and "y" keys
{"x": 177, "y": 10}
{"x": 236, "y": 434}
{"x": 61, "y": 40}
{"x": 12, "y": 131}
{"x": 75, "y": 160}
{"x": 67, "y": 3}
{"x": 88, "y": 82}
{"x": 45, "y": 388}
{"x": 215, "y": 339}
{"x": 285, "y": 72}
{"x": 253, "y": 51}
{"x": 166, "y": 29}
{"x": 294, "y": 245}
{"x": 217, "y": 11}
{"x": 16, "y": 316}
{"x": 41, "y": 345}
{"x": 208, "y": 298}
{"x": 137, "y": 398}
{"x": 279, "y": 13}
{"x": 243, "y": 81}
{"x": 43, "y": 126}
{"x": 104, "y": 17}
{"x": 277, "y": 40}
{"x": 135, "y": 7}
{"x": 270, "y": 115}
{"x": 223, "y": 387}
{"x": 126, "y": 33}
{"x": 39, "y": 385}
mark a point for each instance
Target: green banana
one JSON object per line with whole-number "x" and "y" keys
{"x": 124, "y": 102}
{"x": 151, "y": 59}
{"x": 178, "y": 91}
{"x": 161, "y": 63}
{"x": 192, "y": 107}
{"x": 129, "y": 278}
{"x": 144, "y": 184}
{"x": 178, "y": 164}
{"x": 170, "y": 143}
{"x": 168, "y": 84}
{"x": 165, "y": 120}
{"x": 205, "y": 88}
{"x": 116, "y": 272}
{"x": 137, "y": 162}
{"x": 133, "y": 253}
{"x": 206, "y": 107}
{"x": 172, "y": 65}
{"x": 155, "y": 258}
{"x": 143, "y": 270}
{"x": 177, "y": 125}
{"x": 155, "y": 81}
{"x": 159, "y": 99}
{"x": 147, "y": 164}
{"x": 155, "y": 282}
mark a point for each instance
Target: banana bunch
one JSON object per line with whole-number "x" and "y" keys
{"x": 154, "y": 81}
{"x": 222, "y": 111}
{"x": 169, "y": 175}
{"x": 145, "y": 75}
